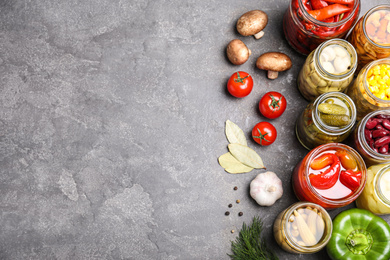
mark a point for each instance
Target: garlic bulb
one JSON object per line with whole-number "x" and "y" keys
{"x": 266, "y": 188}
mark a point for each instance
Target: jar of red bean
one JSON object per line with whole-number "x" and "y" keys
{"x": 371, "y": 137}
{"x": 308, "y": 23}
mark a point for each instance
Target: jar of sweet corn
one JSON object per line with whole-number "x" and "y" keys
{"x": 371, "y": 35}
{"x": 376, "y": 194}
{"x": 371, "y": 89}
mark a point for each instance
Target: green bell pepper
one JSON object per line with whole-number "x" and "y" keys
{"x": 359, "y": 234}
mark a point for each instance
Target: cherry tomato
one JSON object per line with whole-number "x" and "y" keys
{"x": 240, "y": 84}
{"x": 272, "y": 105}
{"x": 264, "y": 133}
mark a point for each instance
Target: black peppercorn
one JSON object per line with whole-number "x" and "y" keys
{"x": 235, "y": 188}
{"x": 230, "y": 205}
{"x": 240, "y": 214}
{"x": 227, "y": 213}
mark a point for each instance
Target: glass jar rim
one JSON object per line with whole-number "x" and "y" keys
{"x": 365, "y": 70}
{"x": 349, "y": 48}
{"x": 333, "y": 130}
{"x": 378, "y": 190}
{"x": 328, "y": 225}
{"x": 363, "y": 141}
{"x": 368, "y": 14}
{"x": 322, "y": 148}
{"x": 356, "y": 5}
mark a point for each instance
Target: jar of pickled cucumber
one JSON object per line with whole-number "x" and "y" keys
{"x": 371, "y": 89}
{"x": 328, "y": 68}
{"x": 371, "y": 35}
{"x": 303, "y": 228}
{"x": 328, "y": 119}
{"x": 376, "y": 194}
{"x": 371, "y": 137}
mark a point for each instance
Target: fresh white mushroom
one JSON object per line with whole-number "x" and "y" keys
{"x": 252, "y": 23}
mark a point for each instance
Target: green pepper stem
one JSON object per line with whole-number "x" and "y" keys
{"x": 359, "y": 242}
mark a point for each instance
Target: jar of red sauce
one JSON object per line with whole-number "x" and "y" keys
{"x": 331, "y": 175}
{"x": 304, "y": 25}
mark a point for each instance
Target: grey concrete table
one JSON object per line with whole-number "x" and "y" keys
{"x": 111, "y": 122}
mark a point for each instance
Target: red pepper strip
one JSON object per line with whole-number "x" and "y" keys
{"x": 350, "y": 179}
{"x": 318, "y": 4}
{"x": 343, "y": 2}
{"x": 329, "y": 11}
{"x": 329, "y": 177}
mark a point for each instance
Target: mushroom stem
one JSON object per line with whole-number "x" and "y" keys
{"x": 258, "y": 35}
{"x": 272, "y": 74}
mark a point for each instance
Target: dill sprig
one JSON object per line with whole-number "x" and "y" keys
{"x": 249, "y": 244}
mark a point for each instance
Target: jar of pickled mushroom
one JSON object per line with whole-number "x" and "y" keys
{"x": 331, "y": 175}
{"x": 371, "y": 35}
{"x": 371, "y": 89}
{"x": 308, "y": 23}
{"x": 303, "y": 228}
{"x": 371, "y": 137}
{"x": 328, "y": 119}
{"x": 328, "y": 68}
{"x": 376, "y": 194}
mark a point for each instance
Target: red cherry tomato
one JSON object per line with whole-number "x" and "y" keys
{"x": 272, "y": 105}
{"x": 240, "y": 84}
{"x": 264, "y": 133}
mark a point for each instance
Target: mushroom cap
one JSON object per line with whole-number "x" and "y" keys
{"x": 274, "y": 61}
{"x": 252, "y": 22}
{"x": 237, "y": 52}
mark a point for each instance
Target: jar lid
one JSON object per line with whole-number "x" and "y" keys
{"x": 376, "y": 26}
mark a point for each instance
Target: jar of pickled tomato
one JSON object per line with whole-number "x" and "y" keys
{"x": 303, "y": 228}
{"x": 371, "y": 137}
{"x": 331, "y": 175}
{"x": 371, "y": 89}
{"x": 329, "y": 119}
{"x": 376, "y": 194}
{"x": 371, "y": 35}
{"x": 307, "y": 23}
{"x": 330, "y": 67}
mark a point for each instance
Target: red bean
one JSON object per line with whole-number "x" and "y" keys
{"x": 386, "y": 124}
{"x": 382, "y": 141}
{"x": 384, "y": 149}
{"x": 383, "y": 116}
{"x": 380, "y": 133}
{"x": 371, "y": 123}
{"x": 368, "y": 134}
{"x": 379, "y": 127}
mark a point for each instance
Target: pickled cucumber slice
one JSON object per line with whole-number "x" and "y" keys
{"x": 335, "y": 120}
{"x": 332, "y": 109}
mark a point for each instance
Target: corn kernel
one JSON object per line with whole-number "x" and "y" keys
{"x": 378, "y": 79}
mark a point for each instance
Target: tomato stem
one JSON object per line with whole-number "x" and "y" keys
{"x": 239, "y": 79}
{"x": 261, "y": 136}
{"x": 274, "y": 103}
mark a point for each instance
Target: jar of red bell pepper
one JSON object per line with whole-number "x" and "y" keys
{"x": 371, "y": 35}
{"x": 308, "y": 23}
{"x": 371, "y": 137}
{"x": 331, "y": 175}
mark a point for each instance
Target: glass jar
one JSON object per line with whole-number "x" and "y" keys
{"x": 365, "y": 101}
{"x": 326, "y": 185}
{"x": 304, "y": 33}
{"x": 376, "y": 194}
{"x": 364, "y": 37}
{"x": 300, "y": 217}
{"x": 365, "y": 146}
{"x": 328, "y": 68}
{"x": 319, "y": 124}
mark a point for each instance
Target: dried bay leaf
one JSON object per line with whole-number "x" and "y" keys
{"x": 232, "y": 165}
{"x": 234, "y": 134}
{"x": 246, "y": 156}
